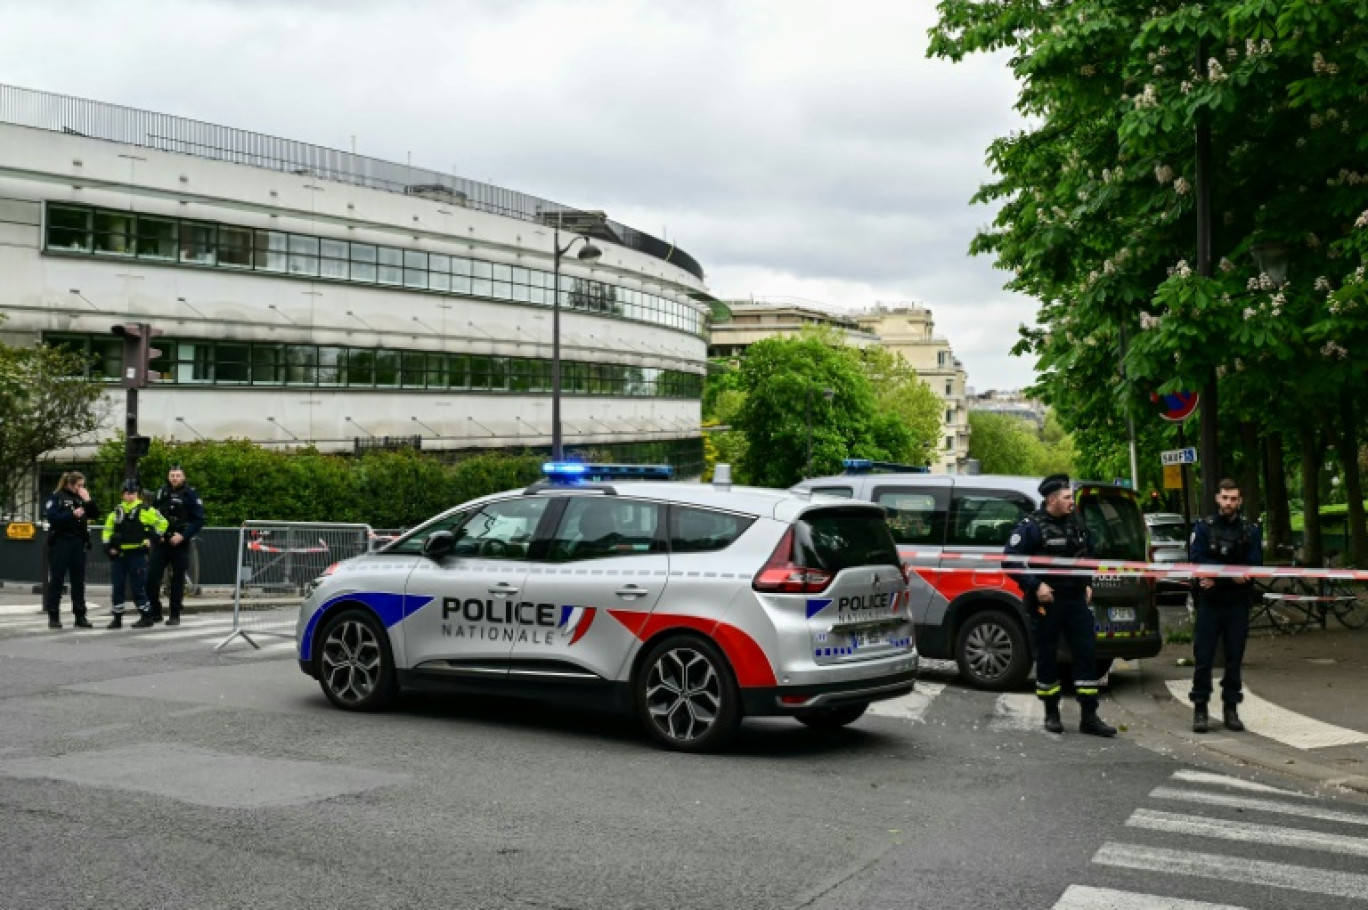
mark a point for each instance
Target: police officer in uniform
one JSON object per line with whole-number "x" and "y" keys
{"x": 1059, "y": 604}
{"x": 1225, "y": 538}
{"x": 69, "y": 512}
{"x": 128, "y": 531}
{"x": 180, "y": 505}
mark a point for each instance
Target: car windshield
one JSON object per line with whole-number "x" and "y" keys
{"x": 1114, "y": 523}
{"x": 1168, "y": 533}
{"x": 835, "y": 539}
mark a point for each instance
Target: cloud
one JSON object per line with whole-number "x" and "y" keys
{"x": 783, "y": 143}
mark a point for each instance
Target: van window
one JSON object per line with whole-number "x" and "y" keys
{"x": 1114, "y": 522}
{"x": 985, "y": 518}
{"x": 842, "y": 492}
{"x": 914, "y": 516}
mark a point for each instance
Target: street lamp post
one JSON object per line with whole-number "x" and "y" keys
{"x": 827, "y": 394}
{"x": 589, "y": 253}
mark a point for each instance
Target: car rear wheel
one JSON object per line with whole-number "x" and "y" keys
{"x": 834, "y": 718}
{"x": 686, "y": 695}
{"x": 992, "y": 652}
{"x": 355, "y": 667}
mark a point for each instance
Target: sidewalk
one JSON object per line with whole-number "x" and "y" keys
{"x": 19, "y": 600}
{"x": 1305, "y": 708}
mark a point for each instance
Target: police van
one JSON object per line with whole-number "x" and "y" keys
{"x": 972, "y": 612}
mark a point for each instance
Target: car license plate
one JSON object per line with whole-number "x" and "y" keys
{"x": 1121, "y": 614}
{"x": 868, "y": 638}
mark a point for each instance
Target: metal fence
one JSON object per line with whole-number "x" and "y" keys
{"x": 276, "y": 563}
{"x": 168, "y": 133}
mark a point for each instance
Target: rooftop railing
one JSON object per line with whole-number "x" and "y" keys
{"x": 169, "y": 133}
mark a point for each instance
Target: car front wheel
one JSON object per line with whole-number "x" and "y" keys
{"x": 992, "y": 652}
{"x": 355, "y": 667}
{"x": 686, "y": 696}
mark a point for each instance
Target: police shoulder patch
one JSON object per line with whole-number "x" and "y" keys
{"x": 1016, "y": 539}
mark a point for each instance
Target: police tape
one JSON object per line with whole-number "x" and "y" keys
{"x": 260, "y": 547}
{"x": 1065, "y": 566}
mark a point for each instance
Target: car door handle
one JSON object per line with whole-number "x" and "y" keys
{"x": 503, "y": 589}
{"x": 631, "y": 591}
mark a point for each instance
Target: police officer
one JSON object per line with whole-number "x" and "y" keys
{"x": 69, "y": 512}
{"x": 1225, "y": 538}
{"x": 180, "y": 505}
{"x": 1059, "y": 604}
{"x": 128, "y": 531}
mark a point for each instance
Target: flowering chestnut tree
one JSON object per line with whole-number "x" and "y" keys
{"x": 1097, "y": 202}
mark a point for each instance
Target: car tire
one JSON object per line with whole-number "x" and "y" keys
{"x": 992, "y": 651}
{"x": 354, "y": 664}
{"x": 834, "y": 718}
{"x": 686, "y": 695}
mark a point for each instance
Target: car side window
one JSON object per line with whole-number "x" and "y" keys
{"x": 502, "y": 529}
{"x": 414, "y": 540}
{"x": 985, "y": 518}
{"x": 914, "y": 516}
{"x": 595, "y": 527}
{"x": 694, "y": 530}
{"x": 842, "y": 492}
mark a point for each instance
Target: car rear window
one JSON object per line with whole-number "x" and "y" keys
{"x": 703, "y": 530}
{"x": 1114, "y": 522}
{"x": 835, "y": 539}
{"x": 1168, "y": 533}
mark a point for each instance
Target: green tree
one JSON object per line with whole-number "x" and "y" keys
{"x": 909, "y": 413}
{"x": 45, "y": 405}
{"x": 1004, "y": 444}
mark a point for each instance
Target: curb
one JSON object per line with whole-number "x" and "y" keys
{"x": 1148, "y": 710}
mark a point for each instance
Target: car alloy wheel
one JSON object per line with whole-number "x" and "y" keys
{"x": 686, "y": 695}
{"x": 992, "y": 652}
{"x": 354, "y": 663}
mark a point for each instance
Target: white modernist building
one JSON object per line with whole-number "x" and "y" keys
{"x": 311, "y": 296}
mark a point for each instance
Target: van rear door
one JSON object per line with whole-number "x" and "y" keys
{"x": 1123, "y": 602}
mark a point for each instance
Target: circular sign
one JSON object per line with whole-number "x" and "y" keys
{"x": 1176, "y": 406}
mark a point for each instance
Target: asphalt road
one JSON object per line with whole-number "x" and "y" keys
{"x": 142, "y": 769}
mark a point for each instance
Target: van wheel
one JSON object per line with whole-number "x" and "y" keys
{"x": 833, "y": 718}
{"x": 992, "y": 652}
{"x": 686, "y": 696}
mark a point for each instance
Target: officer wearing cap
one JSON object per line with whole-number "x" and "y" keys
{"x": 128, "y": 531}
{"x": 1059, "y": 603}
{"x": 178, "y": 502}
{"x": 1222, "y": 604}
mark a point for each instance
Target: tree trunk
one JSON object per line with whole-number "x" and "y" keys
{"x": 1279, "y": 521}
{"x": 1249, "y": 469}
{"x": 1312, "y": 452}
{"x": 1348, "y": 450}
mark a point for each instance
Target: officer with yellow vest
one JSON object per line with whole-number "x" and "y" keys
{"x": 128, "y": 532}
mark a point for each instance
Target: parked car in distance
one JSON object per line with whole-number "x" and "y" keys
{"x": 1168, "y": 542}
{"x": 973, "y": 612}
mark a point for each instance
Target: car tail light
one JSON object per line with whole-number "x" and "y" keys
{"x": 783, "y": 576}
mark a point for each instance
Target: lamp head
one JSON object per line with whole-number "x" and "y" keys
{"x": 589, "y": 252}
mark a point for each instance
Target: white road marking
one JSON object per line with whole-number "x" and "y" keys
{"x": 1016, "y": 711}
{"x": 1259, "y": 805}
{"x": 1204, "y": 777}
{"x": 1288, "y": 727}
{"x": 911, "y": 706}
{"x": 1248, "y": 832}
{"x": 1233, "y": 869}
{"x": 1083, "y": 897}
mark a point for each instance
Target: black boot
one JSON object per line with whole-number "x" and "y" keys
{"x": 53, "y": 621}
{"x": 83, "y": 623}
{"x": 1232, "y": 720}
{"x": 1053, "y": 723}
{"x": 1094, "y": 725}
{"x": 1200, "y": 722}
{"x": 144, "y": 622}
{"x": 173, "y": 619}
{"x": 116, "y": 622}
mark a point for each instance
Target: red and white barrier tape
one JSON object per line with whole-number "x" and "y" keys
{"x": 260, "y": 547}
{"x": 994, "y": 563}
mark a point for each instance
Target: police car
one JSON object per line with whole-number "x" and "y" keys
{"x": 691, "y": 605}
{"x": 969, "y": 612}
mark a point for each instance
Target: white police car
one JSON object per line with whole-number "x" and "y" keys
{"x": 692, "y": 605}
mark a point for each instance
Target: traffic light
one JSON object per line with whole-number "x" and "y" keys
{"x": 138, "y": 353}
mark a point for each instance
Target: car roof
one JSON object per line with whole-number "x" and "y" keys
{"x": 1012, "y": 482}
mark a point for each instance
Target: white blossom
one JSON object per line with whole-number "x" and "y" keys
{"x": 1334, "y": 350}
{"x": 1249, "y": 313}
{"x": 1322, "y": 283}
{"x": 1362, "y": 221}
{"x": 1147, "y": 98}
{"x": 1225, "y": 265}
{"x": 1215, "y": 72}
{"x": 1163, "y": 173}
{"x": 1088, "y": 70}
{"x": 1185, "y": 86}
{"x": 1181, "y": 186}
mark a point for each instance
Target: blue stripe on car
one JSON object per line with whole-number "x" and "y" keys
{"x": 389, "y": 608}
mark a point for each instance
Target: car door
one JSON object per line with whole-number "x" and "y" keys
{"x": 471, "y": 617}
{"x": 607, "y": 555}
{"x": 981, "y": 521}
{"x": 916, "y": 516}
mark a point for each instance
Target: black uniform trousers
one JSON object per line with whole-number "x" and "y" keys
{"x": 66, "y": 559}
{"x": 1071, "y": 619}
{"x": 1220, "y": 621}
{"x": 178, "y": 559}
{"x": 128, "y": 570}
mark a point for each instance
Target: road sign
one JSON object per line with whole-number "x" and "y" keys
{"x": 20, "y": 530}
{"x": 1178, "y": 456}
{"x": 1173, "y": 477}
{"x": 1176, "y": 406}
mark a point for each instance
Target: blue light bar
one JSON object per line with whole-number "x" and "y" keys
{"x": 570, "y": 472}
{"x": 857, "y": 465}
{"x": 867, "y": 466}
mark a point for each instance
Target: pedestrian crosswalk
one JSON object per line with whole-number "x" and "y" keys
{"x": 206, "y": 629}
{"x": 1229, "y": 837}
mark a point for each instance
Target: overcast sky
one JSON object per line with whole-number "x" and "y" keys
{"x": 802, "y": 148}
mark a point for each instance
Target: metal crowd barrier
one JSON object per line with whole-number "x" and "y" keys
{"x": 276, "y": 563}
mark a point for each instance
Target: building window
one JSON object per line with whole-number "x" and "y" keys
{"x": 949, "y": 443}
{"x": 949, "y": 387}
{"x": 68, "y": 228}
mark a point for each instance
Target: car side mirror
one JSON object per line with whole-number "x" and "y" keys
{"x": 439, "y": 545}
